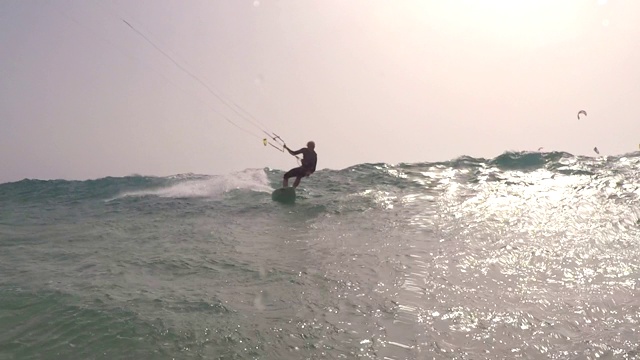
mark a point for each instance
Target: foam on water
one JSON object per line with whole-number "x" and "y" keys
{"x": 212, "y": 187}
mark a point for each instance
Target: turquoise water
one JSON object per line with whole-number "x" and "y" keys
{"x": 527, "y": 255}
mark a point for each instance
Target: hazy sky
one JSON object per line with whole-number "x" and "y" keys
{"x": 83, "y": 95}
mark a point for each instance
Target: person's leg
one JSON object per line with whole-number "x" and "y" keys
{"x": 291, "y": 173}
{"x": 297, "y": 182}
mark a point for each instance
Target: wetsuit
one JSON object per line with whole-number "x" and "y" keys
{"x": 309, "y": 160}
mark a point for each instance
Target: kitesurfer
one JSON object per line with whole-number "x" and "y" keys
{"x": 308, "y": 167}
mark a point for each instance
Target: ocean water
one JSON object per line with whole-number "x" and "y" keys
{"x": 527, "y": 255}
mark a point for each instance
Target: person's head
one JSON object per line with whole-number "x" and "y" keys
{"x": 311, "y": 145}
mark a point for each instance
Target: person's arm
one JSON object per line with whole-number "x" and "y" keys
{"x": 294, "y": 152}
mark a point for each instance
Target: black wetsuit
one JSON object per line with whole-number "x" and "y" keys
{"x": 309, "y": 160}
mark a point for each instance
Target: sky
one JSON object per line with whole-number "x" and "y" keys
{"x": 92, "y": 88}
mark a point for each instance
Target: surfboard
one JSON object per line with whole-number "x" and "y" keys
{"x": 284, "y": 195}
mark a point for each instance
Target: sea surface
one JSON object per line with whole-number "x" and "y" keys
{"x": 527, "y": 255}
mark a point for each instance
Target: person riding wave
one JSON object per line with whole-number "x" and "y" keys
{"x": 308, "y": 167}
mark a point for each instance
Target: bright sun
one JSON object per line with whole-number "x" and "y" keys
{"x": 527, "y": 23}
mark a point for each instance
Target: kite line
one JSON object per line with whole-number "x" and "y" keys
{"x": 268, "y": 137}
{"x": 275, "y": 140}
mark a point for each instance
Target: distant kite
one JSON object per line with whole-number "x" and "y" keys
{"x": 596, "y": 150}
{"x": 581, "y": 112}
{"x": 540, "y": 148}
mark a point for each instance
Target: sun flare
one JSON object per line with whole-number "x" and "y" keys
{"x": 526, "y": 23}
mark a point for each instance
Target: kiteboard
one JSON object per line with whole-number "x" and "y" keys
{"x": 284, "y": 195}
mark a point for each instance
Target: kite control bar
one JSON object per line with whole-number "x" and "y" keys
{"x": 281, "y": 144}
{"x": 275, "y": 137}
